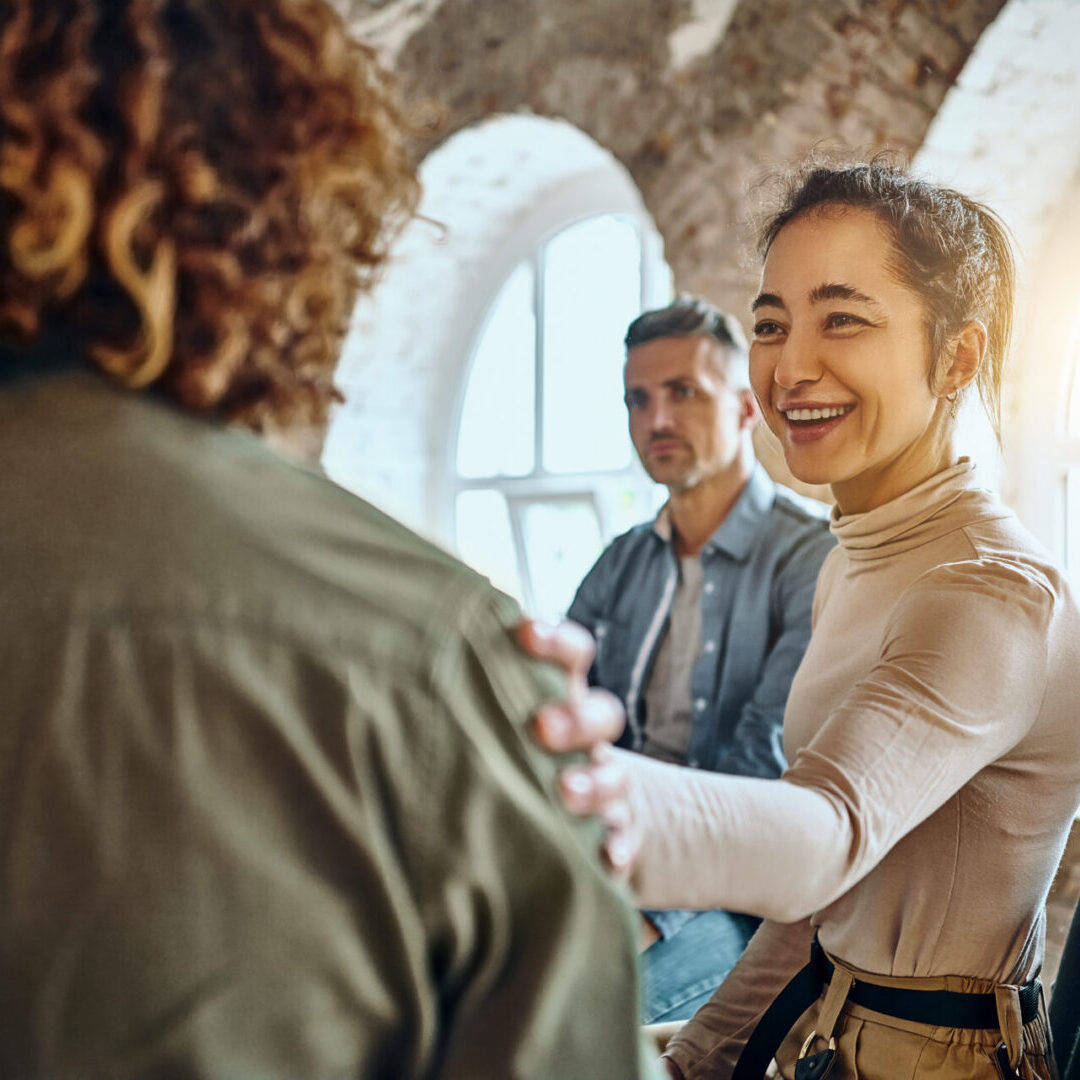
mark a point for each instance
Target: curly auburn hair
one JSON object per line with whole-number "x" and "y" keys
{"x": 195, "y": 190}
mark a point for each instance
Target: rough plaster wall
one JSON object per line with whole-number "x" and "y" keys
{"x": 694, "y": 97}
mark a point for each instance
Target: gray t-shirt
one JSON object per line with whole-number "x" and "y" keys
{"x": 668, "y": 705}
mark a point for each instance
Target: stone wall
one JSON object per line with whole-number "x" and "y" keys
{"x": 697, "y": 99}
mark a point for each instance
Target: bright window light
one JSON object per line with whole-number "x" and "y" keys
{"x": 1072, "y": 522}
{"x": 545, "y": 473}
{"x": 562, "y": 540}
{"x": 592, "y": 289}
{"x": 499, "y": 416}
{"x": 485, "y": 539}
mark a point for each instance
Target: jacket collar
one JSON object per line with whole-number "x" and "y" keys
{"x": 736, "y": 533}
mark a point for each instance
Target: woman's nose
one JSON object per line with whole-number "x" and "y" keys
{"x": 799, "y": 361}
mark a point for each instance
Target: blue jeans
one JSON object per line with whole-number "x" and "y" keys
{"x": 679, "y": 973}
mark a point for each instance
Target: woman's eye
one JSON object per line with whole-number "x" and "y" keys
{"x": 766, "y": 329}
{"x": 841, "y": 320}
{"x": 681, "y": 393}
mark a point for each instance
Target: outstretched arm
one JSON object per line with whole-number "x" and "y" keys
{"x": 956, "y": 686}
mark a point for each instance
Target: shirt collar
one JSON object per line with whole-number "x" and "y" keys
{"x": 735, "y": 534}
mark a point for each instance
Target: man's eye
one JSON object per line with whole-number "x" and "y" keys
{"x": 681, "y": 393}
{"x": 766, "y": 329}
{"x": 634, "y": 400}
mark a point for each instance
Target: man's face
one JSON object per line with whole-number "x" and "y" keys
{"x": 686, "y": 418}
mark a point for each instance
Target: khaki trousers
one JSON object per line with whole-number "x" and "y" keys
{"x": 871, "y": 1046}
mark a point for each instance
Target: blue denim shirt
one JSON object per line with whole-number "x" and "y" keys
{"x": 759, "y": 572}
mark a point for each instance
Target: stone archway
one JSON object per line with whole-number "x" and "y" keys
{"x": 492, "y": 192}
{"x": 695, "y": 97}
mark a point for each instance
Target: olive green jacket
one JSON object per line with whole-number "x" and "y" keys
{"x": 268, "y": 806}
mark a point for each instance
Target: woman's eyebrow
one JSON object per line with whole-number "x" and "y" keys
{"x": 817, "y": 295}
{"x": 766, "y": 299}
{"x": 835, "y": 291}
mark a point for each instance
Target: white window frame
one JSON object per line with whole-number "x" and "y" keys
{"x": 540, "y": 485}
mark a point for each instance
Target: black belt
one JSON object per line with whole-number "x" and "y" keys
{"x": 945, "y": 1008}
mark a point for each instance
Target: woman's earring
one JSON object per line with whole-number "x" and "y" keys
{"x": 951, "y": 399}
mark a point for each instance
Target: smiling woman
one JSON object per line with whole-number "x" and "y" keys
{"x": 880, "y": 304}
{"x": 841, "y": 361}
{"x": 935, "y": 760}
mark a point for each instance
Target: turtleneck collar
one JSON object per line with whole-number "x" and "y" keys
{"x": 938, "y": 505}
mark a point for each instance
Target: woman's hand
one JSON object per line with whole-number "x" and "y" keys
{"x": 589, "y": 719}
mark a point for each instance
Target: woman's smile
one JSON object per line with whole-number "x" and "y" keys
{"x": 810, "y": 421}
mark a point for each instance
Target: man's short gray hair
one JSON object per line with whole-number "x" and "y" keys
{"x": 690, "y": 316}
{"x": 687, "y": 316}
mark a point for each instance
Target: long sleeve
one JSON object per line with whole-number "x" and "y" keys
{"x": 957, "y": 684}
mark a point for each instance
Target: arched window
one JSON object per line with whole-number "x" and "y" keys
{"x": 543, "y": 472}
{"x": 482, "y": 378}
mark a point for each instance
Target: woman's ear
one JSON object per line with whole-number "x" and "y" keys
{"x": 965, "y": 356}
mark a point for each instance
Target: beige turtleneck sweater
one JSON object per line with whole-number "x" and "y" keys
{"x": 935, "y": 747}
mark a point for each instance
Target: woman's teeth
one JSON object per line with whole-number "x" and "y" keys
{"x": 818, "y": 414}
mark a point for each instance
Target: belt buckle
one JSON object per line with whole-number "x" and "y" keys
{"x": 815, "y": 1066}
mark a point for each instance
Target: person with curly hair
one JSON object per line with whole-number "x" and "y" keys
{"x": 269, "y": 804}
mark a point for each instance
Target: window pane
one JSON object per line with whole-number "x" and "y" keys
{"x": 592, "y": 289}
{"x": 497, "y": 421}
{"x": 485, "y": 539}
{"x": 562, "y": 540}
